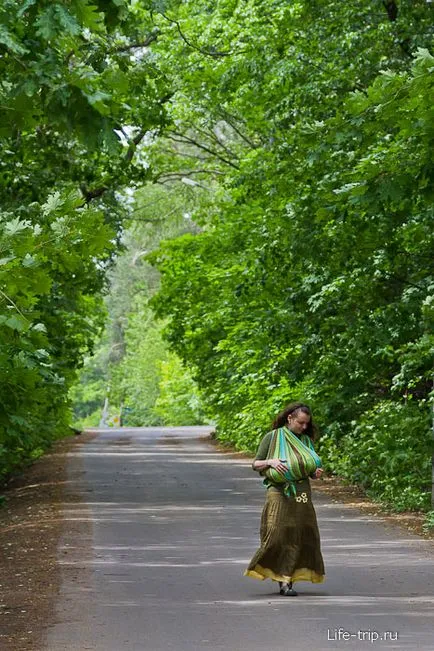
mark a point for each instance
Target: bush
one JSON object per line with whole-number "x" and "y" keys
{"x": 388, "y": 452}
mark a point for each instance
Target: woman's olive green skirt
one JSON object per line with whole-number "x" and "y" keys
{"x": 290, "y": 544}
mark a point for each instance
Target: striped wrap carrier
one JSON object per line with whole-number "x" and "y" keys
{"x": 297, "y": 453}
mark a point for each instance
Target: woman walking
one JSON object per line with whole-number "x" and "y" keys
{"x": 290, "y": 543}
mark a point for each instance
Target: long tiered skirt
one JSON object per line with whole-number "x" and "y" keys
{"x": 290, "y": 544}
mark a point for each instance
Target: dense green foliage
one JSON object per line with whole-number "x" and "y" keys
{"x": 294, "y": 141}
{"x": 66, "y": 74}
{"x": 132, "y": 367}
{"x": 313, "y": 276}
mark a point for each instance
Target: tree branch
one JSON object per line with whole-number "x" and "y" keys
{"x": 14, "y": 305}
{"x": 224, "y": 115}
{"x": 391, "y": 276}
{"x": 133, "y": 145}
{"x": 153, "y": 36}
{"x": 169, "y": 175}
{"x": 211, "y": 135}
{"x": 89, "y": 195}
{"x": 392, "y": 9}
{"x": 176, "y": 152}
{"x": 193, "y": 183}
{"x": 211, "y": 53}
{"x": 215, "y": 137}
{"x": 185, "y": 139}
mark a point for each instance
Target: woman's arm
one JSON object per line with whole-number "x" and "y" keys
{"x": 262, "y": 464}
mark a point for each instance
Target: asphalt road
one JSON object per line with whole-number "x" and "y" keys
{"x": 165, "y": 529}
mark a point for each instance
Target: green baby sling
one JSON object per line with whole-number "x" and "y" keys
{"x": 299, "y": 456}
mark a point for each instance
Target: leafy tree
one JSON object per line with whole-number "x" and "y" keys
{"x": 290, "y": 142}
{"x": 313, "y": 277}
{"x": 132, "y": 366}
{"x": 36, "y": 365}
{"x": 178, "y": 402}
{"x": 73, "y": 74}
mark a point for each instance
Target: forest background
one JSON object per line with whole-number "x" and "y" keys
{"x": 212, "y": 208}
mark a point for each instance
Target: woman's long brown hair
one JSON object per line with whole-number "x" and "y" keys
{"x": 293, "y": 408}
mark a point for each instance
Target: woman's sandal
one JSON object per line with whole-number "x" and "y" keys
{"x": 286, "y": 590}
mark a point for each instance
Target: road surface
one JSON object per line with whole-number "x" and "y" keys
{"x": 155, "y": 554}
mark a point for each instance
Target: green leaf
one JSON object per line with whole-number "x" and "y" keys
{"x": 98, "y": 99}
{"x": 60, "y": 226}
{"x": 55, "y": 21}
{"x": 15, "y": 226}
{"x": 17, "y": 322}
{"x": 53, "y": 203}
{"x": 29, "y": 261}
{"x": 39, "y": 327}
{"x": 66, "y": 21}
{"x": 46, "y": 24}
{"x": 4, "y": 261}
{"x": 9, "y": 40}
{"x": 89, "y": 16}
{"x": 26, "y": 5}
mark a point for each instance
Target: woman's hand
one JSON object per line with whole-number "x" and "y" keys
{"x": 317, "y": 474}
{"x": 278, "y": 465}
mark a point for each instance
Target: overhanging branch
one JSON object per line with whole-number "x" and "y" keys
{"x": 182, "y": 138}
{"x": 132, "y": 46}
{"x": 210, "y": 53}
